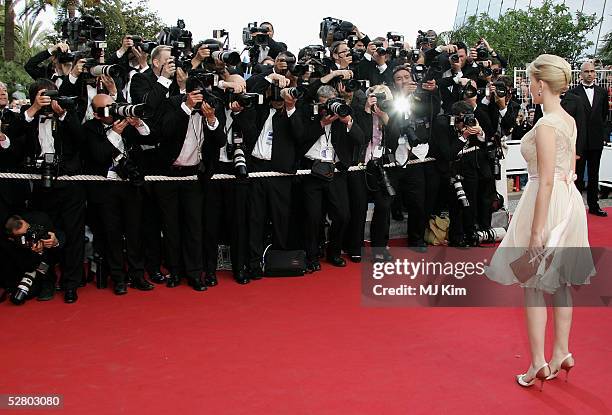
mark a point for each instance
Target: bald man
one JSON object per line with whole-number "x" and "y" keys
{"x": 118, "y": 203}
{"x": 595, "y": 102}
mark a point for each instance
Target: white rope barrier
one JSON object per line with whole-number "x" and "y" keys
{"x": 24, "y": 176}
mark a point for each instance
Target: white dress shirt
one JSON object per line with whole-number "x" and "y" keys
{"x": 191, "y": 152}
{"x": 590, "y": 93}
{"x": 263, "y": 147}
{"x": 45, "y": 133}
{"x": 229, "y": 121}
{"x": 317, "y": 152}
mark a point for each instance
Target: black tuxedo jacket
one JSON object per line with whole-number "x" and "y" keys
{"x": 14, "y": 128}
{"x": 98, "y": 151}
{"x": 67, "y": 141}
{"x": 368, "y": 70}
{"x": 346, "y": 143}
{"x": 596, "y": 116}
{"x": 35, "y": 70}
{"x": 145, "y": 89}
{"x": 288, "y": 133}
{"x": 508, "y": 121}
{"x": 574, "y": 106}
{"x": 173, "y": 131}
{"x": 243, "y": 123}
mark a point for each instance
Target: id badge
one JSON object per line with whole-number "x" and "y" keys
{"x": 327, "y": 154}
{"x": 378, "y": 152}
{"x": 269, "y": 138}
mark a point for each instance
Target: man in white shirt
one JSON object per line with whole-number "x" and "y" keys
{"x": 190, "y": 129}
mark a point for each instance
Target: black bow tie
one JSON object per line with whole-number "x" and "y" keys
{"x": 588, "y": 86}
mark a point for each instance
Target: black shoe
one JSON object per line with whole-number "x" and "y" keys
{"x": 157, "y": 278}
{"x": 336, "y": 261}
{"x": 256, "y": 274}
{"x": 70, "y": 296}
{"x": 355, "y": 258}
{"x": 241, "y": 278}
{"x": 210, "y": 279}
{"x": 197, "y": 284}
{"x": 120, "y": 288}
{"x": 458, "y": 244}
{"x": 46, "y": 292}
{"x": 598, "y": 212}
{"x": 173, "y": 281}
{"x": 140, "y": 283}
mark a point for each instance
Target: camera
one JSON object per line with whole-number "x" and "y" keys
{"x": 375, "y": 168}
{"x": 47, "y": 165}
{"x": 422, "y": 74}
{"x": 202, "y": 81}
{"x": 180, "y": 40}
{"x": 380, "y": 49}
{"x": 64, "y": 102}
{"x": 383, "y": 103}
{"x": 239, "y": 156}
{"x": 219, "y": 33}
{"x": 109, "y": 70}
{"x": 423, "y": 38}
{"x": 454, "y": 58}
{"x": 121, "y": 110}
{"x": 127, "y": 169}
{"x": 246, "y": 100}
{"x": 482, "y": 53}
{"x": 484, "y": 71}
{"x": 469, "y": 91}
{"x": 333, "y": 106}
{"x": 33, "y": 235}
{"x": 500, "y": 89}
{"x": 455, "y": 181}
{"x": 145, "y": 46}
{"x": 350, "y": 85}
{"x": 333, "y": 30}
{"x": 85, "y": 32}
{"x": 261, "y": 35}
{"x": 25, "y": 285}
{"x": 490, "y": 236}
{"x": 231, "y": 58}
{"x": 66, "y": 57}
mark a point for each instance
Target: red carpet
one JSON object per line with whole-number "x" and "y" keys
{"x": 291, "y": 346}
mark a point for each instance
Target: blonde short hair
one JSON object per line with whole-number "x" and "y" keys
{"x": 381, "y": 89}
{"x": 553, "y": 70}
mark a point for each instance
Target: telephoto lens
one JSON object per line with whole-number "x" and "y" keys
{"x": 296, "y": 92}
{"x": 127, "y": 110}
{"x": 229, "y": 58}
{"x": 456, "y": 183}
{"x": 338, "y": 107}
{"x": 25, "y": 285}
{"x": 110, "y": 70}
{"x": 239, "y": 156}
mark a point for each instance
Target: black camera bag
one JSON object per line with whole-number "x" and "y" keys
{"x": 277, "y": 263}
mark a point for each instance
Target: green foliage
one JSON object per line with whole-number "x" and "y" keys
{"x": 122, "y": 17}
{"x": 14, "y": 76}
{"x": 521, "y": 35}
{"x": 605, "y": 51}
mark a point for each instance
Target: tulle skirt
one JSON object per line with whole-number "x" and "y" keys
{"x": 571, "y": 258}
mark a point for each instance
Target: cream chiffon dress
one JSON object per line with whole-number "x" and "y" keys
{"x": 565, "y": 232}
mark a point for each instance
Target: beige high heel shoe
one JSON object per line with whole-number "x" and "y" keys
{"x": 540, "y": 375}
{"x": 565, "y": 365}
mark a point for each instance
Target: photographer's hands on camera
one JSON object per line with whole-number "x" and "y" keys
{"x": 40, "y": 246}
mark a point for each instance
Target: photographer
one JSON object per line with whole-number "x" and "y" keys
{"x": 133, "y": 59}
{"x": 278, "y": 74}
{"x": 279, "y": 131}
{"x": 54, "y": 133}
{"x": 56, "y": 70}
{"x": 468, "y": 181}
{"x": 13, "y": 193}
{"x": 411, "y": 138}
{"x": 225, "y": 201}
{"x": 376, "y": 67}
{"x": 191, "y": 131}
{"x": 35, "y": 246}
{"x": 450, "y": 85}
{"x": 155, "y": 87}
{"x": 268, "y": 48}
{"x": 111, "y": 149}
{"x": 329, "y": 143}
{"x": 368, "y": 184}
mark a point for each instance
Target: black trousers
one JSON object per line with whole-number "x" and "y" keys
{"x": 65, "y": 204}
{"x": 335, "y": 194}
{"x": 226, "y": 219}
{"x": 359, "y": 195}
{"x": 592, "y": 159}
{"x": 151, "y": 229}
{"x": 181, "y": 204}
{"x": 269, "y": 201}
{"x": 121, "y": 215}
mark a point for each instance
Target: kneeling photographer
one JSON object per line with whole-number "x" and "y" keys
{"x": 111, "y": 148}
{"x": 331, "y": 141}
{"x": 374, "y": 182}
{"x": 53, "y": 142}
{"x": 225, "y": 201}
{"x": 411, "y": 139}
{"x": 35, "y": 245}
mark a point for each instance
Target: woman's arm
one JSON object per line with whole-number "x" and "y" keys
{"x": 545, "y": 147}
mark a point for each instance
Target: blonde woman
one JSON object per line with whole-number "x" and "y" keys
{"x": 550, "y": 221}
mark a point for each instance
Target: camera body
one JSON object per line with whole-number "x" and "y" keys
{"x": 246, "y": 100}
{"x": 202, "y": 81}
{"x": 482, "y": 53}
{"x": 333, "y": 106}
{"x": 47, "y": 165}
{"x": 180, "y": 40}
{"x": 333, "y": 30}
{"x": 127, "y": 169}
{"x": 85, "y": 32}
{"x": 255, "y": 35}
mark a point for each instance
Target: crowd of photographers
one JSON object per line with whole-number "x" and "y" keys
{"x": 178, "y": 109}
